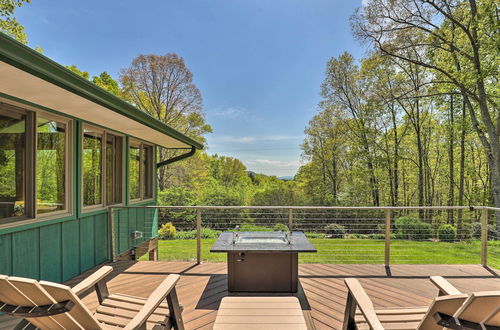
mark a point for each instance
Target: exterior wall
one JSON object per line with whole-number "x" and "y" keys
{"x": 60, "y": 248}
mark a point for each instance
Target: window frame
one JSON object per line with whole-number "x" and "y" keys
{"x": 142, "y": 171}
{"x": 30, "y": 170}
{"x": 122, "y": 168}
{"x": 104, "y": 202}
{"x": 68, "y": 194}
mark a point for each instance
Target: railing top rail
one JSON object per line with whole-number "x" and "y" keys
{"x": 206, "y": 207}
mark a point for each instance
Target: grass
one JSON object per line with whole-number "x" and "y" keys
{"x": 352, "y": 251}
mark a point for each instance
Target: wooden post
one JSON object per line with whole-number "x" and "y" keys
{"x": 484, "y": 237}
{"x": 112, "y": 250}
{"x": 387, "y": 237}
{"x": 290, "y": 219}
{"x": 198, "y": 236}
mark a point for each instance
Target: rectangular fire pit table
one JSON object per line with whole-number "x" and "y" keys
{"x": 262, "y": 261}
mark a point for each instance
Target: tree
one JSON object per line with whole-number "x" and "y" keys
{"x": 343, "y": 88}
{"x": 8, "y": 23}
{"x": 163, "y": 86}
{"x": 458, "y": 41}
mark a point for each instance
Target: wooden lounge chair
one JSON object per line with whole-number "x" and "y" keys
{"x": 451, "y": 310}
{"x": 47, "y": 305}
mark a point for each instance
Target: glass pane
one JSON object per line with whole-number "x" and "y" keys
{"x": 50, "y": 166}
{"x": 147, "y": 163}
{"x": 92, "y": 168}
{"x": 134, "y": 174}
{"x": 12, "y": 164}
{"x": 113, "y": 169}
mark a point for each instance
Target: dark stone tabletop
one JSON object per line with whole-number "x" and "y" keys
{"x": 242, "y": 242}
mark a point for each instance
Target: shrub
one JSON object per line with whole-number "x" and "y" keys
{"x": 167, "y": 231}
{"x": 204, "y": 233}
{"x": 251, "y": 227}
{"x": 357, "y": 236}
{"x": 447, "y": 233}
{"x": 315, "y": 235}
{"x": 376, "y": 236}
{"x": 280, "y": 227}
{"x": 335, "y": 230}
{"x": 413, "y": 229}
{"x": 475, "y": 230}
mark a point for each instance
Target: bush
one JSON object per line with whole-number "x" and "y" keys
{"x": 280, "y": 227}
{"x": 315, "y": 235}
{"x": 335, "y": 230}
{"x": 475, "y": 231}
{"x": 357, "y": 236}
{"x": 447, "y": 233}
{"x": 376, "y": 236}
{"x": 167, "y": 231}
{"x": 204, "y": 233}
{"x": 413, "y": 229}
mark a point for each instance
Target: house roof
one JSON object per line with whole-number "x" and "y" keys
{"x": 28, "y": 75}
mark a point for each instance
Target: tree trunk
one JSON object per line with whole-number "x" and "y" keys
{"x": 451, "y": 143}
{"x": 462, "y": 171}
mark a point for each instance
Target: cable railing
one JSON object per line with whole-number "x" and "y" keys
{"x": 341, "y": 235}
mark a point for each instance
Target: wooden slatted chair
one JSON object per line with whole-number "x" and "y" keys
{"x": 47, "y": 305}
{"x": 450, "y": 310}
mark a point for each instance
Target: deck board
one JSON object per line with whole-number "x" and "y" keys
{"x": 202, "y": 287}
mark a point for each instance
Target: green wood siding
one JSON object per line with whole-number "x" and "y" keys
{"x": 51, "y": 253}
{"x": 58, "y": 249}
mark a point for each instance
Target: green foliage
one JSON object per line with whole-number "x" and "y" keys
{"x": 167, "y": 231}
{"x": 280, "y": 227}
{"x": 447, "y": 233}
{"x": 334, "y": 230}
{"x": 412, "y": 228}
{"x": 204, "y": 233}
{"x": 8, "y": 23}
{"x": 474, "y": 230}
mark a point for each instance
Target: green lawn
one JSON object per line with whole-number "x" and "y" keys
{"x": 349, "y": 251}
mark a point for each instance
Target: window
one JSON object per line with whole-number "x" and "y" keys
{"x": 92, "y": 167}
{"x": 102, "y": 167}
{"x": 134, "y": 170}
{"x": 141, "y": 158}
{"x": 114, "y": 175}
{"x": 34, "y": 158}
{"x": 50, "y": 165}
{"x": 147, "y": 169}
{"x": 12, "y": 163}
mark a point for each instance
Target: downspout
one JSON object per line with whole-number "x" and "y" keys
{"x": 177, "y": 158}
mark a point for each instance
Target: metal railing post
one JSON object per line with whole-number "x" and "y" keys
{"x": 387, "y": 257}
{"x": 290, "y": 219}
{"x": 484, "y": 236}
{"x": 111, "y": 220}
{"x": 198, "y": 236}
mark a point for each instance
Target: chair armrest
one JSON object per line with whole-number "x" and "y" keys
{"x": 364, "y": 303}
{"x": 92, "y": 280}
{"x": 445, "y": 287}
{"x": 155, "y": 299}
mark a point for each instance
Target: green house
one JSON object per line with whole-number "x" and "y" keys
{"x": 69, "y": 151}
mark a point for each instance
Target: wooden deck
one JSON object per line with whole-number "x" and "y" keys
{"x": 322, "y": 292}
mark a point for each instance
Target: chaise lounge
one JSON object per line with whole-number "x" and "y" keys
{"x": 451, "y": 310}
{"x": 47, "y": 305}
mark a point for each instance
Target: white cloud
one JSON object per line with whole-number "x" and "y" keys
{"x": 231, "y": 112}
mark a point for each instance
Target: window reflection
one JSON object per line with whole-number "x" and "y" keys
{"x": 92, "y": 167}
{"x": 50, "y": 165}
{"x": 12, "y": 164}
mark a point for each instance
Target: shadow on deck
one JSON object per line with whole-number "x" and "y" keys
{"x": 322, "y": 293}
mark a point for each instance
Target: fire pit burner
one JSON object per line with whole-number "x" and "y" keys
{"x": 262, "y": 261}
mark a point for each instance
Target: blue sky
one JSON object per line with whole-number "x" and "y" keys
{"x": 258, "y": 63}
